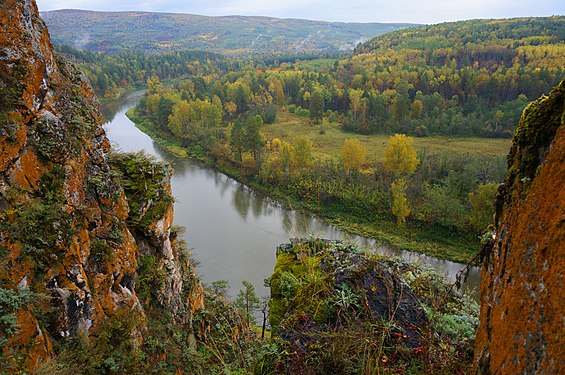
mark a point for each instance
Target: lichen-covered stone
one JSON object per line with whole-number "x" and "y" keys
{"x": 522, "y": 301}
{"x": 328, "y": 279}
{"x": 65, "y": 223}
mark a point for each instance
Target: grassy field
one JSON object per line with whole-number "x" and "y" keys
{"x": 328, "y": 145}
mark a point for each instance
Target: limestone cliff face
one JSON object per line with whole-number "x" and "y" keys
{"x": 522, "y": 300}
{"x": 65, "y": 227}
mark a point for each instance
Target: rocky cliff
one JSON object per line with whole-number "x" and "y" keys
{"x": 522, "y": 301}
{"x": 70, "y": 240}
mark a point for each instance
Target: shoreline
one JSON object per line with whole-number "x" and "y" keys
{"x": 414, "y": 237}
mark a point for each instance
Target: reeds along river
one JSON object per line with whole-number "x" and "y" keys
{"x": 233, "y": 231}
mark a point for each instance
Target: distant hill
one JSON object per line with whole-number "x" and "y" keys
{"x": 113, "y": 31}
{"x": 508, "y": 33}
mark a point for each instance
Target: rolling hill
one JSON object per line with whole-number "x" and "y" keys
{"x": 113, "y": 31}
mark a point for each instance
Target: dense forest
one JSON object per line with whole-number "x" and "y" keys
{"x": 161, "y": 32}
{"x": 462, "y": 79}
{"x": 470, "y": 78}
{"x": 406, "y": 82}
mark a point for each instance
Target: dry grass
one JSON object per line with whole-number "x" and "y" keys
{"x": 289, "y": 126}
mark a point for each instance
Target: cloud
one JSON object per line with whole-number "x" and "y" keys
{"x": 429, "y": 11}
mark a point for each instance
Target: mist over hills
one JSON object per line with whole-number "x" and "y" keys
{"x": 113, "y": 31}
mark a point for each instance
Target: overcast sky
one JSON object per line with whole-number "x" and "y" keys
{"x": 417, "y": 11}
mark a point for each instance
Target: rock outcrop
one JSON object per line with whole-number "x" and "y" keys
{"x": 338, "y": 309}
{"x": 522, "y": 300}
{"x": 66, "y": 232}
{"x": 386, "y": 295}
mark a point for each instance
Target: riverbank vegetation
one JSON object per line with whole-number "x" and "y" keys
{"x": 354, "y": 194}
{"x": 314, "y": 132}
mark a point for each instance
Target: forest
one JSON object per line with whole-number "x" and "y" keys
{"x": 450, "y": 79}
{"x": 166, "y": 32}
{"x": 404, "y": 139}
{"x": 257, "y": 118}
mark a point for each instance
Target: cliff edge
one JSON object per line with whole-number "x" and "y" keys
{"x": 522, "y": 301}
{"x": 70, "y": 239}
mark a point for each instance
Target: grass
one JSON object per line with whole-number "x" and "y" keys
{"x": 161, "y": 139}
{"x": 316, "y": 65}
{"x": 415, "y": 236}
{"x": 289, "y": 126}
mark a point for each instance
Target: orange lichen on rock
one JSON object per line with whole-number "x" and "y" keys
{"x": 26, "y": 171}
{"x": 30, "y": 340}
{"x": 522, "y": 301}
{"x": 65, "y": 233}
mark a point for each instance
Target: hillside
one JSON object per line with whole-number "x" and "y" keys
{"x": 116, "y": 31}
{"x": 507, "y": 33}
{"x": 461, "y": 77}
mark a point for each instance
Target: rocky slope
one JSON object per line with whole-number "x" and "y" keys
{"x": 522, "y": 301}
{"x": 336, "y": 309}
{"x": 67, "y": 232}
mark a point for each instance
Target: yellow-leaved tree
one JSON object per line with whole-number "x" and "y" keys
{"x": 400, "y": 156}
{"x": 400, "y": 207}
{"x": 353, "y": 154}
{"x": 303, "y": 152}
{"x": 400, "y": 159}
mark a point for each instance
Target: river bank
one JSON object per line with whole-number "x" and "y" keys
{"x": 419, "y": 237}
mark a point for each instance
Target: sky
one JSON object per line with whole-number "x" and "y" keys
{"x": 414, "y": 11}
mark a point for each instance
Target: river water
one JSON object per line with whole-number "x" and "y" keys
{"x": 232, "y": 230}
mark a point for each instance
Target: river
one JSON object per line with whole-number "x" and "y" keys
{"x": 233, "y": 231}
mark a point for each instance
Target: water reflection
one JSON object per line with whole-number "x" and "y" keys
{"x": 241, "y": 201}
{"x": 232, "y": 230}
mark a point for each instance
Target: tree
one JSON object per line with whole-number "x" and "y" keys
{"x": 265, "y": 311}
{"x": 417, "y": 109}
{"x": 220, "y": 287}
{"x": 247, "y": 301}
{"x": 253, "y": 138}
{"x": 187, "y": 86}
{"x": 164, "y": 111}
{"x": 441, "y": 204}
{"x": 353, "y": 154}
{"x": 179, "y": 120}
{"x": 241, "y": 99}
{"x": 303, "y": 152}
{"x": 355, "y": 103}
{"x": 400, "y": 207}
{"x": 276, "y": 90}
{"x": 154, "y": 84}
{"x": 316, "y": 107}
{"x": 237, "y": 139}
{"x": 286, "y": 157}
{"x": 400, "y": 157}
{"x": 230, "y": 108}
{"x": 153, "y": 105}
{"x": 102, "y": 81}
{"x": 10, "y": 302}
{"x": 482, "y": 202}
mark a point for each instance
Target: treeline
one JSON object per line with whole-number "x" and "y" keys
{"x": 222, "y": 118}
{"x": 470, "y": 78}
{"x": 109, "y": 73}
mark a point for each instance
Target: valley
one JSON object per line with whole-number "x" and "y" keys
{"x": 262, "y": 195}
